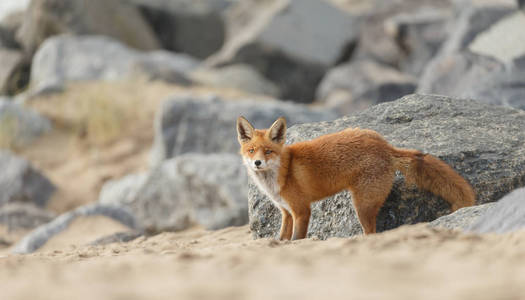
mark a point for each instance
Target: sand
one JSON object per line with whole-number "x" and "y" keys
{"x": 411, "y": 262}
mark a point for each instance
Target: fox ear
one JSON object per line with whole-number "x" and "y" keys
{"x": 244, "y": 130}
{"x": 277, "y": 132}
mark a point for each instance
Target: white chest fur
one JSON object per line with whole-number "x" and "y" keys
{"x": 268, "y": 184}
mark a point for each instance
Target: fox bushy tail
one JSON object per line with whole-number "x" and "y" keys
{"x": 434, "y": 175}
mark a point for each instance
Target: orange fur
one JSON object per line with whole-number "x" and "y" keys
{"x": 359, "y": 160}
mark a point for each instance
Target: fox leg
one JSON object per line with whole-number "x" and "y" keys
{"x": 368, "y": 200}
{"x": 301, "y": 218}
{"x": 286, "y": 225}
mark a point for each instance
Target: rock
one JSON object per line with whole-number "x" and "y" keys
{"x": 241, "y": 77}
{"x": 504, "y": 41}
{"x": 292, "y": 43}
{"x": 419, "y": 36}
{"x": 403, "y": 34}
{"x": 207, "y": 125}
{"x": 483, "y": 143}
{"x": 45, "y": 18}
{"x": 364, "y": 83}
{"x": 38, "y": 237}
{"x": 463, "y": 218}
{"x": 20, "y": 215}
{"x": 461, "y": 69}
{"x": 209, "y": 190}
{"x": 521, "y": 4}
{"x": 178, "y": 24}
{"x": 119, "y": 237}
{"x": 8, "y": 28}
{"x": 70, "y": 58}
{"x": 506, "y": 215}
{"x": 20, "y": 182}
{"x": 19, "y": 126}
{"x": 14, "y": 73}
{"x": 9, "y": 7}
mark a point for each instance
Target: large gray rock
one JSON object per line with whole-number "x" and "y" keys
{"x": 8, "y": 7}
{"x": 503, "y": 41}
{"x": 188, "y": 26}
{"x": 483, "y": 143}
{"x": 207, "y": 125}
{"x": 71, "y": 58}
{"x": 240, "y": 77}
{"x": 209, "y": 190}
{"x": 20, "y": 215}
{"x": 292, "y": 43}
{"x": 463, "y": 218}
{"x": 19, "y": 126}
{"x": 358, "y": 85}
{"x": 45, "y": 18}
{"x": 8, "y": 28}
{"x": 404, "y": 34}
{"x": 20, "y": 182}
{"x": 38, "y": 237}
{"x": 14, "y": 72}
{"x": 506, "y": 215}
{"x": 481, "y": 59}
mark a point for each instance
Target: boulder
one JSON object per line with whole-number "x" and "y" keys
{"x": 38, "y": 237}
{"x": 357, "y": 85}
{"x": 19, "y": 126}
{"x": 188, "y": 26}
{"x": 506, "y": 215}
{"x": 119, "y": 237}
{"x": 404, "y": 34}
{"x": 463, "y": 218}
{"x": 207, "y": 124}
{"x": 71, "y": 58}
{"x": 480, "y": 60}
{"x": 209, "y": 190}
{"x": 483, "y": 143}
{"x": 503, "y": 41}
{"x": 8, "y": 28}
{"x": 14, "y": 73}
{"x": 20, "y": 182}
{"x": 20, "y": 215}
{"x": 241, "y": 77}
{"x": 292, "y": 43}
{"x": 45, "y": 18}
{"x": 9, "y": 7}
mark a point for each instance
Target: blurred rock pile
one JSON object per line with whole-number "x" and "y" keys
{"x": 343, "y": 56}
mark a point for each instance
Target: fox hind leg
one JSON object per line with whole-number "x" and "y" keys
{"x": 368, "y": 200}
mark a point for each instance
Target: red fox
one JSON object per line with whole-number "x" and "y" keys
{"x": 360, "y": 160}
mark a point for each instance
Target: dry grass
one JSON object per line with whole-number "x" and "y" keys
{"x": 102, "y": 131}
{"x": 99, "y": 113}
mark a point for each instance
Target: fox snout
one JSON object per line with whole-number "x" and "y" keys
{"x": 256, "y": 164}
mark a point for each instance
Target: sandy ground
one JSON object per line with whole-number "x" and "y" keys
{"x": 411, "y": 262}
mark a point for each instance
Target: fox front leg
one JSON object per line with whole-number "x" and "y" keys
{"x": 286, "y": 225}
{"x": 300, "y": 223}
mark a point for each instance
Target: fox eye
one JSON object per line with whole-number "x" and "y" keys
{"x": 251, "y": 150}
{"x": 268, "y": 152}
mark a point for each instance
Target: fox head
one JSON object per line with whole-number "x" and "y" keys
{"x": 261, "y": 149}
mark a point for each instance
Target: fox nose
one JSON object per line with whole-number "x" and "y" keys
{"x": 258, "y": 163}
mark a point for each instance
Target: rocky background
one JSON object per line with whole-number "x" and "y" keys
{"x": 125, "y": 110}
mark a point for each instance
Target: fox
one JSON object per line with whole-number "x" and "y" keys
{"x": 358, "y": 160}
